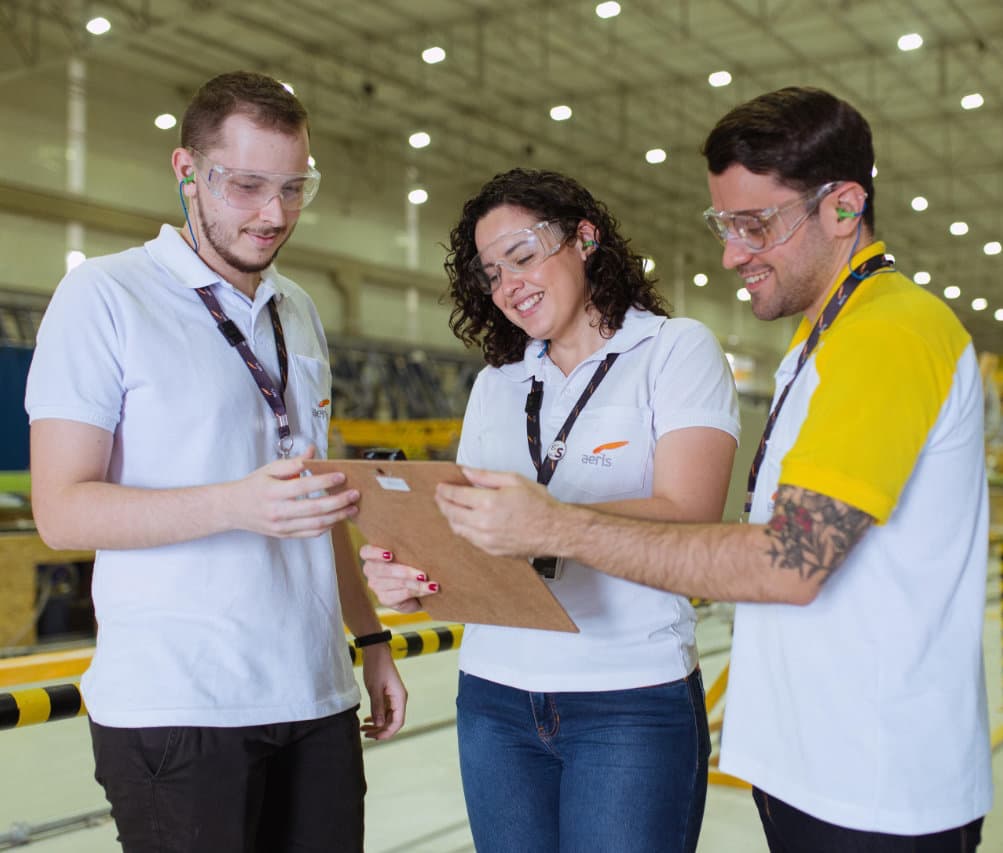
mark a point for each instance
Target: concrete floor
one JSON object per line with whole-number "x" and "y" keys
{"x": 414, "y": 804}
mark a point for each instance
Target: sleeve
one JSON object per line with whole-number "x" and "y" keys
{"x": 693, "y": 385}
{"x": 76, "y": 370}
{"x": 880, "y": 391}
{"x": 468, "y": 450}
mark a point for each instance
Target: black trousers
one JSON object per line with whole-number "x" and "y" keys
{"x": 283, "y": 788}
{"x": 789, "y": 830}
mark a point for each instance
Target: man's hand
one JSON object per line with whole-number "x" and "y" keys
{"x": 387, "y": 694}
{"x": 395, "y": 585}
{"x": 275, "y": 500}
{"x": 507, "y": 515}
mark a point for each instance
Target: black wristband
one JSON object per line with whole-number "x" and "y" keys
{"x": 372, "y": 639}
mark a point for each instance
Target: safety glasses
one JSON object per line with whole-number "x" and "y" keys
{"x": 248, "y": 189}
{"x": 518, "y": 252}
{"x": 760, "y": 230}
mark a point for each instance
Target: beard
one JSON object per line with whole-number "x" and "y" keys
{"x": 214, "y": 234}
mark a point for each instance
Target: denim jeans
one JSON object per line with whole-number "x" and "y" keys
{"x": 618, "y": 770}
{"x": 790, "y": 830}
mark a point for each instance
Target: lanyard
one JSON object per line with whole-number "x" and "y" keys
{"x": 827, "y": 318}
{"x": 545, "y": 469}
{"x": 235, "y": 338}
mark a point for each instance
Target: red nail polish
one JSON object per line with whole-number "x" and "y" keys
{"x": 387, "y": 555}
{"x": 433, "y": 587}
{"x": 421, "y": 578}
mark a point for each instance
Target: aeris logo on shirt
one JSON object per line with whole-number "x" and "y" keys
{"x": 321, "y": 409}
{"x": 599, "y": 456}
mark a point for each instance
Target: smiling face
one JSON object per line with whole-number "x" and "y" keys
{"x": 239, "y": 244}
{"x": 788, "y": 279}
{"x": 550, "y": 301}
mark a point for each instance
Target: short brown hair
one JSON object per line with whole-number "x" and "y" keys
{"x": 261, "y": 98}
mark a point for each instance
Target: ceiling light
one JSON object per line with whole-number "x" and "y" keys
{"x": 700, "y": 280}
{"x": 959, "y": 229}
{"x": 952, "y": 291}
{"x": 655, "y": 155}
{"x": 998, "y": 314}
{"x": 874, "y": 171}
{"x": 419, "y": 139}
{"x": 972, "y": 101}
{"x": 418, "y": 196}
{"x": 910, "y": 41}
{"x": 921, "y": 277}
{"x": 993, "y": 248}
{"x": 562, "y": 112}
{"x": 719, "y": 79}
{"x": 648, "y": 264}
{"x": 609, "y": 9}
{"x": 74, "y": 258}
{"x": 919, "y": 203}
{"x": 165, "y": 121}
{"x": 432, "y": 55}
{"x": 743, "y": 295}
{"x": 979, "y": 304}
{"x": 288, "y": 87}
{"x": 98, "y": 26}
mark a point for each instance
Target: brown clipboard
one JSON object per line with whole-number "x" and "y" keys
{"x": 397, "y": 511}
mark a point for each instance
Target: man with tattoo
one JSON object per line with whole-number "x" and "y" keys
{"x": 857, "y": 704}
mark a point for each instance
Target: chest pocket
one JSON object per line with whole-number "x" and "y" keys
{"x": 308, "y": 401}
{"x": 609, "y": 455}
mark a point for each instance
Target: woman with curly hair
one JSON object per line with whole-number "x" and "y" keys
{"x": 595, "y": 741}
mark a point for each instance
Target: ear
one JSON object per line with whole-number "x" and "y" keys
{"x": 587, "y": 239}
{"x": 844, "y": 208}
{"x": 184, "y": 168}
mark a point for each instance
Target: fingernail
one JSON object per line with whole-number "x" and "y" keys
{"x": 433, "y": 587}
{"x": 387, "y": 555}
{"x": 421, "y": 578}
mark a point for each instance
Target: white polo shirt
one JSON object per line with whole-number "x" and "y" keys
{"x": 867, "y": 708}
{"x": 232, "y": 629}
{"x": 670, "y": 374}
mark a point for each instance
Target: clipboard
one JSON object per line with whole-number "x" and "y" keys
{"x": 397, "y": 510}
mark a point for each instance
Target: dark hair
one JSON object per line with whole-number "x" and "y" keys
{"x": 615, "y": 275}
{"x": 805, "y": 137}
{"x": 261, "y": 98}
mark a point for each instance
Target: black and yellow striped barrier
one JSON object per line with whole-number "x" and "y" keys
{"x": 62, "y": 701}
{"x": 40, "y": 705}
{"x": 424, "y": 642}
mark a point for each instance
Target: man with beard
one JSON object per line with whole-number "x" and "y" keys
{"x": 856, "y": 698}
{"x": 177, "y": 394}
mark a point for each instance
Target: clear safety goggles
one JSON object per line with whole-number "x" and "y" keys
{"x": 760, "y": 230}
{"x": 518, "y": 252}
{"x": 248, "y": 189}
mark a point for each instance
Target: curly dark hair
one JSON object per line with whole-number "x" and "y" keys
{"x": 615, "y": 275}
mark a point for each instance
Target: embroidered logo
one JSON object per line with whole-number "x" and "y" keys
{"x": 599, "y": 455}
{"x": 322, "y": 409}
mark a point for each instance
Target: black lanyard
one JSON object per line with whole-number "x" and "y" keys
{"x": 534, "y": 400}
{"x": 827, "y": 318}
{"x": 235, "y": 338}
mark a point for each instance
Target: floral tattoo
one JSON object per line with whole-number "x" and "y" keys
{"x": 811, "y": 533}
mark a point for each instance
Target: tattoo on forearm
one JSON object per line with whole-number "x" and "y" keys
{"x": 812, "y": 533}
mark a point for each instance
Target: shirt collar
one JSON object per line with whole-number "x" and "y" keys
{"x": 170, "y": 250}
{"x": 637, "y": 326}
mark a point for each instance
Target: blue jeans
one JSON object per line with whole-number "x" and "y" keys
{"x": 618, "y": 770}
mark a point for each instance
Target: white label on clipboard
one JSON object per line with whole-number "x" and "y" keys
{"x": 393, "y": 484}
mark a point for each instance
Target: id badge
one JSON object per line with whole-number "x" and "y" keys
{"x": 548, "y": 568}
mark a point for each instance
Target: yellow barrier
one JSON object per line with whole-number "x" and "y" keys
{"x": 62, "y": 701}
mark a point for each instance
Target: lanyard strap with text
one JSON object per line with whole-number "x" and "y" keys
{"x": 235, "y": 338}
{"x": 534, "y": 400}
{"x": 827, "y": 318}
